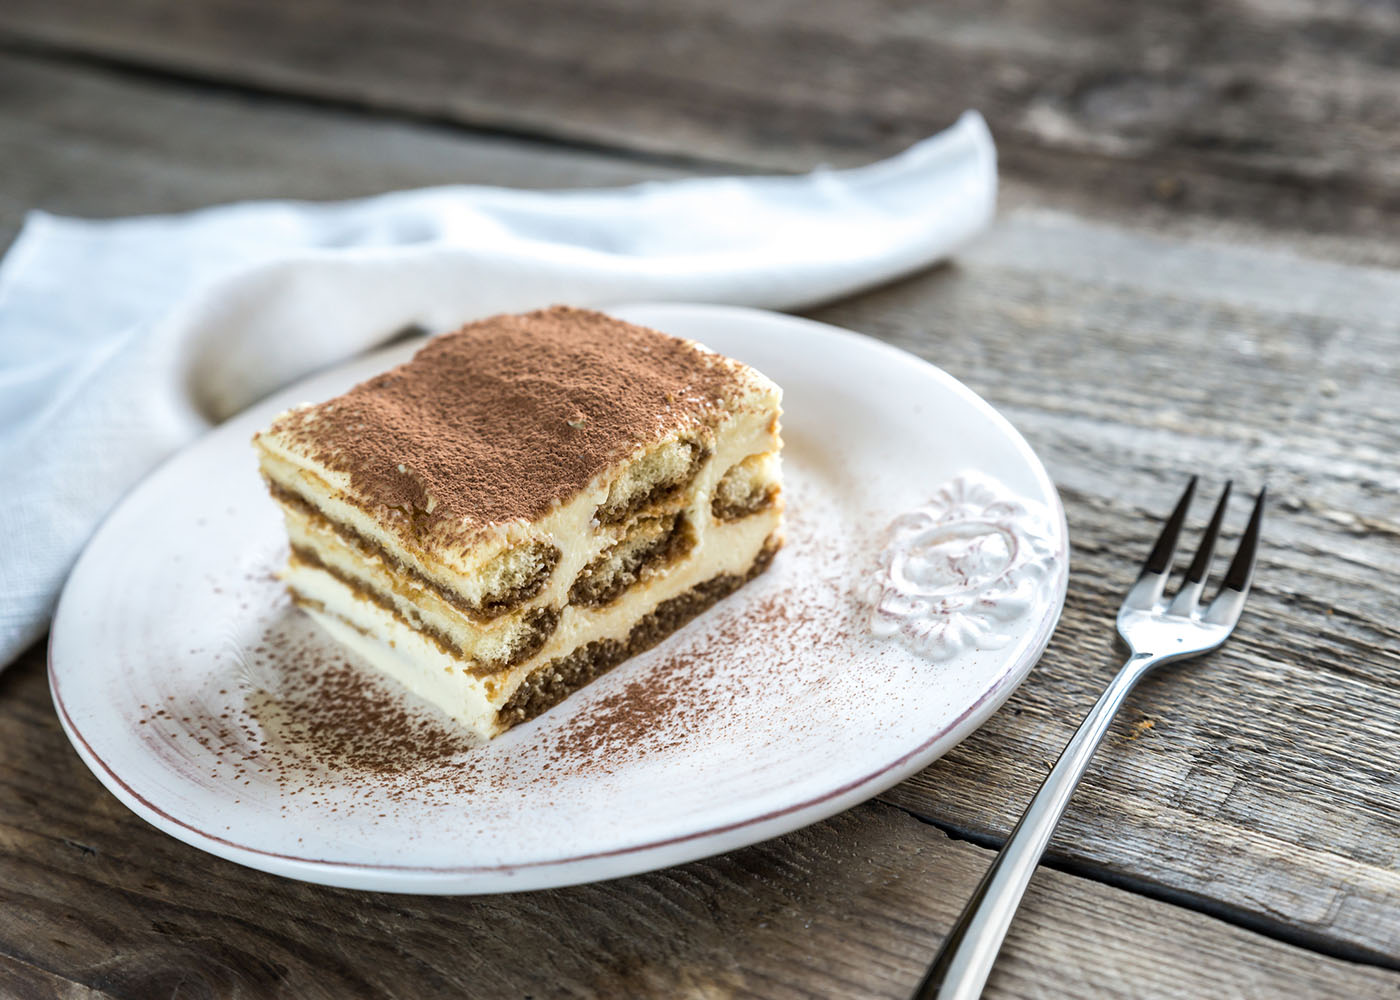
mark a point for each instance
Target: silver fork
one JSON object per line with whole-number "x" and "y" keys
{"x": 1156, "y": 631}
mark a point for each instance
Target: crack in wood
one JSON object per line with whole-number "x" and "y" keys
{"x": 1277, "y": 929}
{"x": 213, "y": 83}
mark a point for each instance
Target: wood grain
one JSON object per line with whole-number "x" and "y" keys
{"x": 104, "y": 143}
{"x": 1264, "y": 778}
{"x": 852, "y": 907}
{"x": 21, "y": 981}
{"x": 1260, "y": 110}
{"x": 1261, "y": 784}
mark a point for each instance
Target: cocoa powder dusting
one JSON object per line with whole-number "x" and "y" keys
{"x": 507, "y": 416}
{"x": 345, "y": 720}
{"x": 316, "y": 733}
{"x": 660, "y": 708}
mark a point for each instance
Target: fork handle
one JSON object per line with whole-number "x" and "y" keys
{"x": 962, "y": 965}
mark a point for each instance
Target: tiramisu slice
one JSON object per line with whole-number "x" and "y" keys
{"x": 525, "y": 504}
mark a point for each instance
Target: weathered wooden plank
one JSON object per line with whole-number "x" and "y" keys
{"x": 95, "y": 142}
{"x": 1274, "y": 111}
{"x": 1266, "y": 777}
{"x": 1267, "y": 781}
{"x": 20, "y": 981}
{"x": 850, "y": 907}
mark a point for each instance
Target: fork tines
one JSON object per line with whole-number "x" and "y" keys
{"x": 1230, "y": 599}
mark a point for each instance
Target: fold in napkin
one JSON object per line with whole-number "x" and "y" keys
{"x": 121, "y": 341}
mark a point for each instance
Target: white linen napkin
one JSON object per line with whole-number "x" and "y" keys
{"x": 122, "y": 340}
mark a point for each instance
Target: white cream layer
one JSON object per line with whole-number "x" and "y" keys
{"x": 750, "y": 428}
{"x": 570, "y": 526}
{"x": 418, "y": 664}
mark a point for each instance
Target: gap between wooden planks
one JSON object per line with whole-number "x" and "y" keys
{"x": 1277, "y": 113}
{"x": 853, "y": 906}
{"x": 1045, "y": 302}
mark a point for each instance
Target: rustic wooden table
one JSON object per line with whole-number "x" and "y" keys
{"x": 1194, "y": 270}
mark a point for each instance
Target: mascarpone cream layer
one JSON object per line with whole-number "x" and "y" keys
{"x": 416, "y": 662}
{"x": 750, "y": 430}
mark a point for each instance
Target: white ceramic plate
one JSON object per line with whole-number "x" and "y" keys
{"x": 219, "y": 714}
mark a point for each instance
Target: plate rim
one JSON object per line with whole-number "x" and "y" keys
{"x": 677, "y": 849}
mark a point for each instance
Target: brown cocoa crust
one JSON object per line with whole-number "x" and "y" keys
{"x": 554, "y": 681}
{"x": 508, "y": 417}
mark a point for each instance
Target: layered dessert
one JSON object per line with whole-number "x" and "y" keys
{"x": 525, "y": 504}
